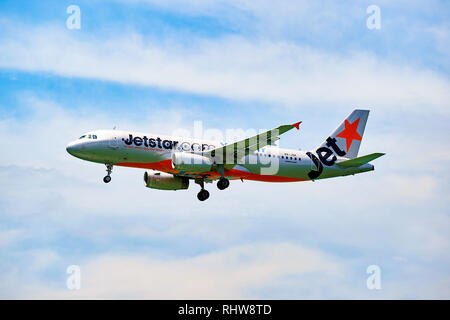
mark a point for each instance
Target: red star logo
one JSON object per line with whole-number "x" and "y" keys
{"x": 349, "y": 133}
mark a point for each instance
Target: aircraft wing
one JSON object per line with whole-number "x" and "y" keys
{"x": 229, "y": 154}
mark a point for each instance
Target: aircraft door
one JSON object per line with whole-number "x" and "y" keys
{"x": 113, "y": 142}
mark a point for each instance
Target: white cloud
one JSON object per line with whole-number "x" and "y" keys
{"x": 411, "y": 189}
{"x": 257, "y": 270}
{"x": 229, "y": 273}
{"x": 42, "y": 259}
{"x": 9, "y": 236}
{"x": 231, "y": 67}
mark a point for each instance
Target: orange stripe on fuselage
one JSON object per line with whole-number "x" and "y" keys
{"x": 166, "y": 166}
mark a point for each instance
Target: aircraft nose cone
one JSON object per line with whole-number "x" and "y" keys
{"x": 72, "y": 148}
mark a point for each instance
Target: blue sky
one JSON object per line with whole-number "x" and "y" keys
{"x": 156, "y": 66}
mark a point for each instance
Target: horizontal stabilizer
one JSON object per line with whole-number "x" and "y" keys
{"x": 357, "y": 162}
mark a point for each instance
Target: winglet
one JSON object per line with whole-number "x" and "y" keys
{"x": 297, "y": 125}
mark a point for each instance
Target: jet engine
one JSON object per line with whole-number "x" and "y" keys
{"x": 191, "y": 162}
{"x": 165, "y": 181}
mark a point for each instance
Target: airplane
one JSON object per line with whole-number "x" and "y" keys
{"x": 172, "y": 162}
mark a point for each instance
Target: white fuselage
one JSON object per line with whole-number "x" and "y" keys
{"x": 154, "y": 151}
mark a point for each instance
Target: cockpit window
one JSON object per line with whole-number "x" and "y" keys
{"x": 89, "y": 136}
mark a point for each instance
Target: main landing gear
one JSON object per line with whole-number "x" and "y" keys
{"x": 107, "y": 178}
{"x": 223, "y": 183}
{"x": 203, "y": 194}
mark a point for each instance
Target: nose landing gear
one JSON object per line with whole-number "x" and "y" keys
{"x": 107, "y": 178}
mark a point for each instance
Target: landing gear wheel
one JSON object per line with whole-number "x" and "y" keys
{"x": 223, "y": 183}
{"x": 109, "y": 168}
{"x": 203, "y": 195}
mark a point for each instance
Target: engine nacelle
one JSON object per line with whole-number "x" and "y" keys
{"x": 164, "y": 181}
{"x": 191, "y": 162}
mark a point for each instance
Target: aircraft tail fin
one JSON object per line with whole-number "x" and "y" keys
{"x": 357, "y": 162}
{"x": 346, "y": 138}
